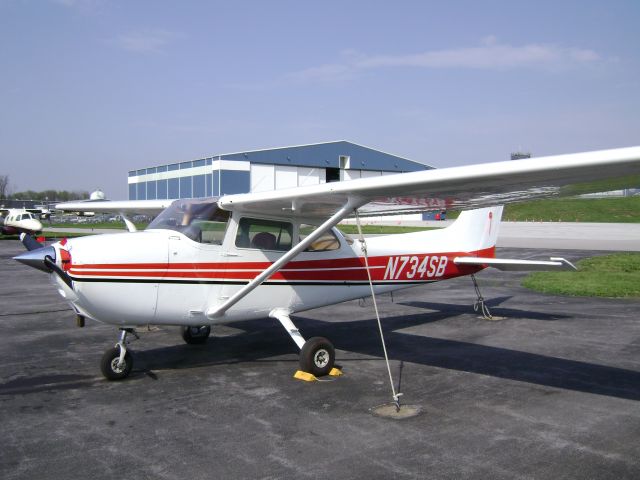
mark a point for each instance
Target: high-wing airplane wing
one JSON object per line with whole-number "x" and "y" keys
{"x": 122, "y": 207}
{"x": 462, "y": 188}
{"x": 149, "y": 207}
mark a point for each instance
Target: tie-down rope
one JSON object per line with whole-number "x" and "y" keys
{"x": 363, "y": 245}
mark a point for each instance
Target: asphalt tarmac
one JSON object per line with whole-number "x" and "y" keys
{"x": 551, "y": 391}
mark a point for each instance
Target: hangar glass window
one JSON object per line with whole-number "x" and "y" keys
{"x": 185, "y": 187}
{"x": 208, "y": 181}
{"x": 174, "y": 188}
{"x": 151, "y": 190}
{"x": 198, "y": 186}
{"x": 200, "y": 220}
{"x": 162, "y": 189}
{"x": 264, "y": 234}
{"x": 142, "y": 190}
{"x": 327, "y": 241}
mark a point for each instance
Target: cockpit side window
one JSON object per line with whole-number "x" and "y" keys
{"x": 325, "y": 243}
{"x": 201, "y": 221}
{"x": 264, "y": 234}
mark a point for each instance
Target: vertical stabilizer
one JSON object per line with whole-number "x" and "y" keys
{"x": 476, "y": 229}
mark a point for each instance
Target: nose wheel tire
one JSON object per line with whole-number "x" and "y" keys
{"x": 196, "y": 335}
{"x": 111, "y": 367}
{"x": 317, "y": 356}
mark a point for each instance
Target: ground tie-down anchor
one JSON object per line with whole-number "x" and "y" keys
{"x": 480, "y": 304}
{"x": 396, "y": 401}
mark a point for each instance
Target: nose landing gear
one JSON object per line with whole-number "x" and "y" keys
{"x": 117, "y": 362}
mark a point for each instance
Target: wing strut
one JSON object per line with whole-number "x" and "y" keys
{"x": 363, "y": 244}
{"x": 346, "y": 210}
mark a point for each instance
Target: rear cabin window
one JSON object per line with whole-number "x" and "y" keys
{"x": 264, "y": 234}
{"x": 325, "y": 243}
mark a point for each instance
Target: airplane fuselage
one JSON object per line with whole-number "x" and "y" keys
{"x": 174, "y": 280}
{"x": 19, "y": 221}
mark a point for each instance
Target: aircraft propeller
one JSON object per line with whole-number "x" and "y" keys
{"x": 42, "y": 258}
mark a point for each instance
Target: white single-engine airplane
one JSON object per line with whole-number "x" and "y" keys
{"x": 19, "y": 220}
{"x": 271, "y": 254}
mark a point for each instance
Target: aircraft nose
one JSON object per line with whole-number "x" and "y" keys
{"x": 35, "y": 225}
{"x": 38, "y": 258}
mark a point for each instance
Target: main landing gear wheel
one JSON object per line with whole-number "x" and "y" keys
{"x": 196, "y": 335}
{"x": 111, "y": 367}
{"x": 317, "y": 356}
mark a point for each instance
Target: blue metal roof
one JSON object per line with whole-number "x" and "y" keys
{"x": 328, "y": 155}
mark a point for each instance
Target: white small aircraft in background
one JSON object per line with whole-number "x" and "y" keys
{"x": 272, "y": 254}
{"x": 19, "y": 220}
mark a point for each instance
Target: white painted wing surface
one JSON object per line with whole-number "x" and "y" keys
{"x": 149, "y": 207}
{"x": 462, "y": 188}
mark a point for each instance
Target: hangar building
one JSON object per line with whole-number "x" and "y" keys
{"x": 262, "y": 170}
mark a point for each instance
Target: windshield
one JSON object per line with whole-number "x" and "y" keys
{"x": 200, "y": 220}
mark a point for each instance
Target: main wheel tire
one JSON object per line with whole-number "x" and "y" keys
{"x": 196, "y": 335}
{"x": 317, "y": 356}
{"x": 109, "y": 364}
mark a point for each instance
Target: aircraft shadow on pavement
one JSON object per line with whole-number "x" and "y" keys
{"x": 511, "y": 313}
{"x": 263, "y": 342}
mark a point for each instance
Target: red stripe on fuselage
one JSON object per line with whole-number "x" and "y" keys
{"x": 399, "y": 267}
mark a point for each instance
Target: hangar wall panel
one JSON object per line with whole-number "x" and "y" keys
{"x": 286, "y": 177}
{"x": 263, "y": 177}
{"x": 311, "y": 176}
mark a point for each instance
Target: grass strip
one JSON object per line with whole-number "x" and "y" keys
{"x": 607, "y": 210}
{"x": 612, "y": 276}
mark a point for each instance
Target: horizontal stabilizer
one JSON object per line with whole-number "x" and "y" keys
{"x": 554, "y": 263}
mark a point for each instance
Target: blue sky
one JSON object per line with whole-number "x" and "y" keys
{"x": 90, "y": 89}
